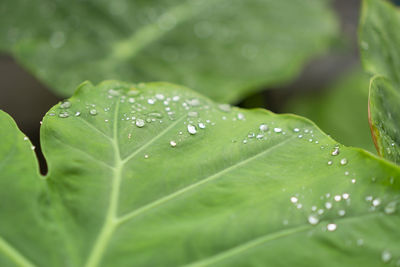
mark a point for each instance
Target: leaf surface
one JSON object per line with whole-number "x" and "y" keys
{"x": 380, "y": 42}
{"x": 236, "y": 46}
{"x": 157, "y": 175}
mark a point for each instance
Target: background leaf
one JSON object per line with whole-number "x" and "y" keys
{"x": 156, "y": 175}
{"x": 224, "y": 49}
{"x": 340, "y": 110}
{"x": 380, "y": 44}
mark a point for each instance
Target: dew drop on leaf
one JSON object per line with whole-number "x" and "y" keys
{"x": 263, "y": 127}
{"x": 386, "y": 256}
{"x": 294, "y": 199}
{"x": 140, "y": 123}
{"x": 93, "y": 112}
{"x": 331, "y": 227}
{"x": 225, "y": 107}
{"x": 335, "y": 151}
{"x": 65, "y": 104}
{"x": 63, "y": 114}
{"x": 343, "y": 161}
{"x": 376, "y": 202}
{"x": 172, "y": 143}
{"x": 312, "y": 219}
{"x": 390, "y": 208}
{"x": 191, "y": 129}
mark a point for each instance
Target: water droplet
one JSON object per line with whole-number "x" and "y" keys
{"x": 330, "y": 162}
{"x": 172, "y": 143}
{"x": 65, "y": 104}
{"x": 26, "y": 138}
{"x": 146, "y": 156}
{"x": 390, "y": 207}
{"x": 386, "y": 256}
{"x": 299, "y": 206}
{"x": 151, "y": 101}
{"x": 63, "y": 114}
{"x": 331, "y": 227}
{"x": 93, "y": 112}
{"x": 368, "y": 198}
{"x": 175, "y": 98}
{"x": 341, "y": 212}
{"x": 240, "y": 116}
{"x": 193, "y": 102}
{"x": 33, "y": 147}
{"x": 140, "y": 123}
{"x": 131, "y": 100}
{"x": 345, "y": 196}
{"x": 296, "y": 130}
{"x": 312, "y": 219}
{"x": 224, "y": 107}
{"x": 294, "y": 199}
{"x": 376, "y": 202}
{"x": 346, "y": 173}
{"x": 191, "y": 129}
{"x": 337, "y": 197}
{"x": 335, "y": 151}
{"x": 353, "y": 181}
{"x": 263, "y": 127}
{"x": 251, "y": 135}
{"x": 328, "y": 205}
{"x": 343, "y": 161}
{"x": 77, "y": 114}
{"x": 201, "y": 125}
{"x": 278, "y": 130}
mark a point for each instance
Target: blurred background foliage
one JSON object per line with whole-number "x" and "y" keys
{"x": 321, "y": 79}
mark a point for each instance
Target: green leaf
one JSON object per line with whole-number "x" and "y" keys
{"x": 224, "y": 49}
{"x": 380, "y": 45}
{"x": 340, "y": 110}
{"x": 156, "y": 175}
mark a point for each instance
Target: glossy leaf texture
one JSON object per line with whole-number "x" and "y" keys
{"x": 157, "y": 175}
{"x": 225, "y": 49}
{"x": 341, "y": 109}
{"x": 380, "y": 45}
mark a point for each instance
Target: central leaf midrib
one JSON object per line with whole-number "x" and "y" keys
{"x": 111, "y": 216}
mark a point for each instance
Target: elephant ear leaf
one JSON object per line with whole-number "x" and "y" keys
{"x": 236, "y": 46}
{"x": 157, "y": 175}
{"x": 380, "y": 50}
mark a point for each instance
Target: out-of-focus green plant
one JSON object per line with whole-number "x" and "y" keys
{"x": 380, "y": 42}
{"x": 224, "y": 49}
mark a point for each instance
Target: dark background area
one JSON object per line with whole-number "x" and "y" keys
{"x": 27, "y": 100}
